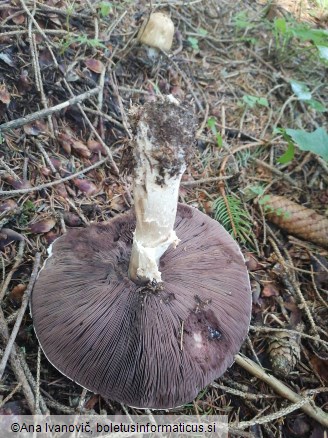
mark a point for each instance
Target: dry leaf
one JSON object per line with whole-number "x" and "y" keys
{"x": 80, "y": 149}
{"x": 71, "y": 219}
{"x": 296, "y": 219}
{"x": 85, "y": 186}
{"x": 95, "y": 65}
{"x": 60, "y": 189}
{"x": 51, "y": 237}
{"x": 19, "y": 19}
{"x": 4, "y": 94}
{"x": 95, "y": 147}
{"x": 17, "y": 183}
{"x": 320, "y": 366}
{"x": 8, "y": 205}
{"x": 270, "y": 290}
{"x": 42, "y": 226}
{"x": 36, "y": 128}
{"x": 17, "y": 292}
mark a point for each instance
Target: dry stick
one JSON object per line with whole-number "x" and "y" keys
{"x": 309, "y": 408}
{"x": 37, "y": 409}
{"x": 9, "y": 170}
{"x": 93, "y": 129}
{"x": 292, "y": 332}
{"x": 32, "y": 382}
{"x": 16, "y": 365}
{"x": 54, "y": 183}
{"x": 35, "y": 22}
{"x": 46, "y": 112}
{"x": 269, "y": 418}
{"x": 6, "y": 399}
{"x": 20, "y": 316}
{"x": 275, "y": 171}
{"x": 18, "y": 261}
{"x": 206, "y": 180}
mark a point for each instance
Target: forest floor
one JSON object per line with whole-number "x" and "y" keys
{"x": 257, "y": 74}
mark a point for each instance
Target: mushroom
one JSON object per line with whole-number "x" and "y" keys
{"x": 150, "y": 307}
{"x": 156, "y": 32}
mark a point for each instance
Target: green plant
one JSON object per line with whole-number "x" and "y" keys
{"x": 284, "y": 31}
{"x": 257, "y": 191}
{"x": 304, "y": 94}
{"x": 251, "y": 101}
{"x": 211, "y": 123}
{"x": 241, "y": 20}
{"x": 81, "y": 39}
{"x": 316, "y": 142}
{"x": 105, "y": 8}
{"x": 265, "y": 202}
{"x": 240, "y": 217}
{"x": 193, "y": 43}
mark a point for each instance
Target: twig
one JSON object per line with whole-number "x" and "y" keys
{"x": 18, "y": 261}
{"x": 20, "y": 316}
{"x": 16, "y": 365}
{"x": 206, "y": 180}
{"x": 54, "y": 183}
{"x": 269, "y": 418}
{"x": 46, "y": 112}
{"x": 275, "y": 171}
{"x": 292, "y": 332}
{"x": 9, "y": 396}
{"x": 310, "y": 409}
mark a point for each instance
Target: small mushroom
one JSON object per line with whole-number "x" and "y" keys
{"x": 156, "y": 32}
{"x": 151, "y": 306}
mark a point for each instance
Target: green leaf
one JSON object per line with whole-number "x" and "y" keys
{"x": 193, "y": 42}
{"x": 202, "y": 32}
{"x": 317, "y": 36}
{"x": 280, "y": 25}
{"x": 241, "y": 20}
{"x": 251, "y": 101}
{"x": 105, "y": 8}
{"x": 316, "y": 141}
{"x": 288, "y": 156}
{"x": 301, "y": 90}
{"x": 211, "y": 124}
{"x": 316, "y": 105}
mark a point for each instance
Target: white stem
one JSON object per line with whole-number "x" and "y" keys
{"x": 158, "y": 172}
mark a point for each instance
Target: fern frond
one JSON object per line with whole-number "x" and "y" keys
{"x": 240, "y": 217}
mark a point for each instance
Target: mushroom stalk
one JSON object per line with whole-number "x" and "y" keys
{"x": 163, "y": 136}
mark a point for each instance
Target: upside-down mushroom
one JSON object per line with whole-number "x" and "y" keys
{"x": 151, "y": 306}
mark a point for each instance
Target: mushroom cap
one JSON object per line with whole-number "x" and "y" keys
{"x": 146, "y": 347}
{"x": 157, "y": 31}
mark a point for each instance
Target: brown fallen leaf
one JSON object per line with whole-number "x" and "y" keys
{"x": 95, "y": 147}
{"x": 17, "y": 183}
{"x": 8, "y": 205}
{"x": 35, "y": 128}
{"x": 4, "y": 94}
{"x": 270, "y": 290}
{"x": 16, "y": 293}
{"x": 320, "y": 366}
{"x": 42, "y": 226}
{"x": 296, "y": 219}
{"x": 71, "y": 219}
{"x": 19, "y": 19}
{"x": 94, "y": 65}
{"x": 80, "y": 149}
{"x": 85, "y": 186}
